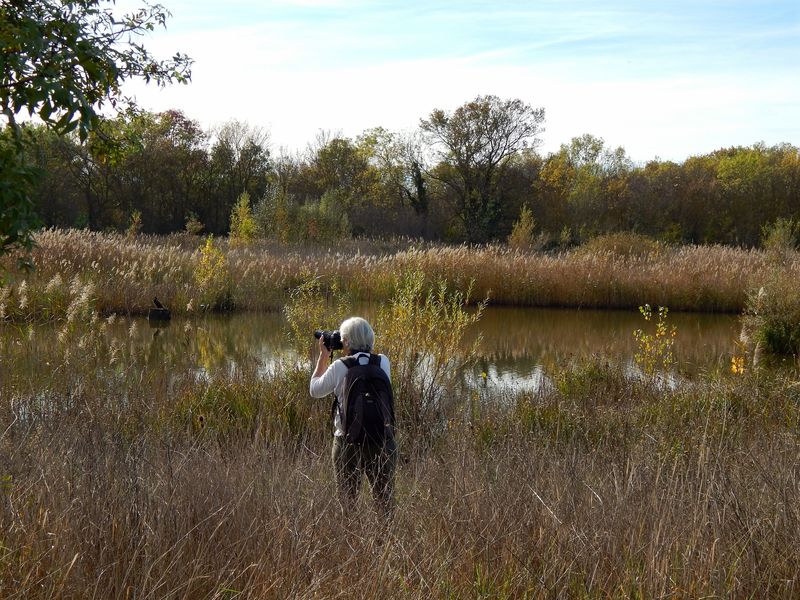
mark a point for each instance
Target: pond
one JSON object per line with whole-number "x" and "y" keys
{"x": 518, "y": 345}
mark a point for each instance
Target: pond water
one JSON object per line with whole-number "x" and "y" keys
{"x": 518, "y": 346}
{"x": 520, "y": 343}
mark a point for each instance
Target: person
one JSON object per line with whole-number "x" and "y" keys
{"x": 353, "y": 460}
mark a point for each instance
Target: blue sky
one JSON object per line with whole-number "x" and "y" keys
{"x": 667, "y": 79}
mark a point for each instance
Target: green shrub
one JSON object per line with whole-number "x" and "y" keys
{"x": 280, "y": 217}
{"x": 272, "y": 214}
{"x": 193, "y": 224}
{"x": 780, "y": 236}
{"x": 773, "y": 315}
{"x": 521, "y": 236}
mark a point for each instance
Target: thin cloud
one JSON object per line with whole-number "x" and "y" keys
{"x": 658, "y": 82}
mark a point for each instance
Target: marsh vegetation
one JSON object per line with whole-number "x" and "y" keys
{"x": 121, "y": 274}
{"x": 147, "y": 470}
{"x": 126, "y": 472}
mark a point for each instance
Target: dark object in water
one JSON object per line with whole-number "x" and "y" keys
{"x": 159, "y": 313}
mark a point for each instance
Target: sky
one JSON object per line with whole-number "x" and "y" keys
{"x": 667, "y": 79}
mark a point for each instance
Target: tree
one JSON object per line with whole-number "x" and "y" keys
{"x": 342, "y": 168}
{"x": 521, "y": 237}
{"x": 240, "y": 161}
{"x": 747, "y": 178}
{"x": 243, "y": 225}
{"x": 398, "y": 161}
{"x": 583, "y": 185}
{"x": 168, "y": 176}
{"x": 17, "y": 218}
{"x": 153, "y": 163}
{"x": 56, "y": 197}
{"x": 474, "y": 144}
{"x": 96, "y": 171}
{"x": 63, "y": 61}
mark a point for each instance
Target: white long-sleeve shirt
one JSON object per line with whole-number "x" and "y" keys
{"x": 332, "y": 381}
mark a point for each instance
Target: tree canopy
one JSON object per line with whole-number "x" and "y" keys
{"x": 165, "y": 173}
{"x": 474, "y": 144}
{"x": 62, "y": 62}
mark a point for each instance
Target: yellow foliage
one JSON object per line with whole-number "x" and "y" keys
{"x": 423, "y": 329}
{"x": 655, "y": 350}
{"x": 243, "y": 225}
{"x": 521, "y": 236}
{"x": 211, "y": 274}
{"x": 737, "y": 365}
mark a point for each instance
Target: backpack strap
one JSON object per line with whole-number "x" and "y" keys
{"x": 349, "y": 362}
{"x": 352, "y": 361}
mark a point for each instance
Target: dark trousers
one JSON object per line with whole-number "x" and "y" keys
{"x": 351, "y": 461}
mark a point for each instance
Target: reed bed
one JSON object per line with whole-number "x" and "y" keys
{"x": 128, "y": 475}
{"x": 119, "y": 274}
{"x": 595, "y": 486}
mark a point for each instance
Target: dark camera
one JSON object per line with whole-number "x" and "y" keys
{"x": 331, "y": 339}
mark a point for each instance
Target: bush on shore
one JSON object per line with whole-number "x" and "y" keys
{"x": 773, "y": 316}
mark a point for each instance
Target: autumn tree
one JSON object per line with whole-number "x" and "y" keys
{"x": 239, "y": 162}
{"x": 474, "y": 145}
{"x": 169, "y": 175}
{"x": 341, "y": 168}
{"x": 582, "y": 186}
{"x": 243, "y": 226}
{"x": 522, "y": 235}
{"x": 398, "y": 161}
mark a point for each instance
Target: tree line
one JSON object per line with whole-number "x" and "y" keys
{"x": 464, "y": 176}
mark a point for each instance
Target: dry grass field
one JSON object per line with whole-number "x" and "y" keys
{"x": 123, "y": 479}
{"x": 597, "y": 487}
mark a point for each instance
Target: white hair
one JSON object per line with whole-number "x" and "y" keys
{"x": 357, "y": 334}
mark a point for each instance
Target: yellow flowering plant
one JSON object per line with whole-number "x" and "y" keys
{"x": 655, "y": 350}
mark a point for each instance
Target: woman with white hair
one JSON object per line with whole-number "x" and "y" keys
{"x": 359, "y": 376}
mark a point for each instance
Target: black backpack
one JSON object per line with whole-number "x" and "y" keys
{"x": 367, "y": 409}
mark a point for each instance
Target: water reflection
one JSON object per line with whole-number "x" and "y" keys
{"x": 519, "y": 345}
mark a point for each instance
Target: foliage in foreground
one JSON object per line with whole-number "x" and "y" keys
{"x": 62, "y": 61}
{"x": 120, "y": 480}
{"x": 773, "y": 316}
{"x": 127, "y": 472}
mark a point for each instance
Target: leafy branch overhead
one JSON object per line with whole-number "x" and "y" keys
{"x": 63, "y": 61}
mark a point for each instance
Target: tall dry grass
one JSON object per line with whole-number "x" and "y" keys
{"x": 126, "y": 477}
{"x": 593, "y": 487}
{"x": 122, "y": 274}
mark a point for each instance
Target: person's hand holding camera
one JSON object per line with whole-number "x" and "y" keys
{"x": 323, "y": 349}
